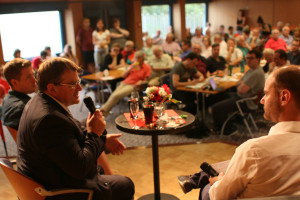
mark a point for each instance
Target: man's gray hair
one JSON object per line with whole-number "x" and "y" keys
{"x": 129, "y": 42}
{"x": 269, "y": 51}
{"x": 157, "y": 48}
{"x": 140, "y": 54}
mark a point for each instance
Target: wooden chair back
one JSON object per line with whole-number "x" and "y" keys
{"x": 23, "y": 185}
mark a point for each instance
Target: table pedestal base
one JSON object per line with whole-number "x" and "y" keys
{"x": 163, "y": 196}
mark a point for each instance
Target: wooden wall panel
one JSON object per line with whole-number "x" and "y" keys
{"x": 179, "y": 19}
{"x": 225, "y": 11}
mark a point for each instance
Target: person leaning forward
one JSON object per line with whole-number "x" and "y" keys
{"x": 52, "y": 147}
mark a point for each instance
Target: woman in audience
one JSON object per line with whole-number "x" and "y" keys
{"x": 268, "y": 55}
{"x": 206, "y": 48}
{"x": 297, "y": 33}
{"x": 17, "y": 53}
{"x": 148, "y": 47}
{"x": 101, "y": 40}
{"x": 240, "y": 22}
{"x": 69, "y": 54}
{"x": 265, "y": 29}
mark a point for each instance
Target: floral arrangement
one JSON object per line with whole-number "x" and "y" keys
{"x": 159, "y": 94}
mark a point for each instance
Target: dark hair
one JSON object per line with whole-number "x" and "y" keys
{"x": 51, "y": 70}
{"x": 260, "y": 20}
{"x": 44, "y": 53}
{"x": 288, "y": 78}
{"x": 282, "y": 54}
{"x": 47, "y": 48}
{"x": 191, "y": 56}
{"x": 186, "y": 41}
{"x": 16, "y": 51}
{"x": 215, "y": 45}
{"x": 230, "y": 27}
{"x": 243, "y": 12}
{"x": 104, "y": 28}
{"x": 114, "y": 20}
{"x": 13, "y": 68}
{"x": 256, "y": 53}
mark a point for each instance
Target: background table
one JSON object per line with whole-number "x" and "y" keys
{"x": 100, "y": 78}
{"x": 123, "y": 125}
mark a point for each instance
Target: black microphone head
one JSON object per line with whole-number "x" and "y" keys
{"x": 89, "y": 104}
{"x": 207, "y": 168}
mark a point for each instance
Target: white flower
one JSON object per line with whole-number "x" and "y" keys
{"x": 150, "y": 90}
{"x": 162, "y": 92}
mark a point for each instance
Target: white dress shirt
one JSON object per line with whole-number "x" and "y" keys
{"x": 265, "y": 166}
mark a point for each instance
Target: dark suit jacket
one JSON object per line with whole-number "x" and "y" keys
{"x": 54, "y": 151}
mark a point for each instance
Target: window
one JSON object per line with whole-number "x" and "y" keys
{"x": 30, "y": 32}
{"x": 154, "y": 18}
{"x": 195, "y": 16}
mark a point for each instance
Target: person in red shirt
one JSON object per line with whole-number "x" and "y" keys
{"x": 36, "y": 61}
{"x": 275, "y": 42}
{"x": 136, "y": 75}
{"x": 85, "y": 40}
{"x": 128, "y": 52}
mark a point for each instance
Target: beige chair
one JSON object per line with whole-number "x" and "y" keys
{"x": 28, "y": 189}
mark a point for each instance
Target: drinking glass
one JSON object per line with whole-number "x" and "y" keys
{"x": 134, "y": 95}
{"x": 148, "y": 109}
{"x": 134, "y": 109}
{"x": 159, "y": 109}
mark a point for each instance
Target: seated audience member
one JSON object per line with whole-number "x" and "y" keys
{"x": 117, "y": 34}
{"x": 148, "y": 48}
{"x": 265, "y": 166}
{"x": 160, "y": 63}
{"x": 254, "y": 40}
{"x": 17, "y": 53}
{"x": 20, "y": 76}
{"x": 68, "y": 53}
{"x": 264, "y": 28}
{"x": 202, "y": 63}
{"x": 246, "y": 35}
{"x": 280, "y": 59}
{"x": 215, "y": 63}
{"x": 197, "y": 39}
{"x": 135, "y": 75}
{"x": 268, "y": 55}
{"x": 242, "y": 45}
{"x": 275, "y": 42}
{"x": 3, "y": 81}
{"x": 279, "y": 26}
{"x": 156, "y": 39}
{"x": 128, "y": 52}
{"x": 297, "y": 33}
{"x": 222, "y": 44}
{"x": 183, "y": 74}
{"x": 285, "y": 35}
{"x": 49, "y": 54}
{"x": 189, "y": 35}
{"x": 230, "y": 32}
{"x": 206, "y": 48}
{"x": 234, "y": 55}
{"x": 170, "y": 47}
{"x": 250, "y": 85}
{"x": 52, "y": 144}
{"x": 294, "y": 54}
{"x": 186, "y": 48}
{"x": 36, "y": 61}
{"x": 112, "y": 61}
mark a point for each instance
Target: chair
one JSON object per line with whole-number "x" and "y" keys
{"x": 3, "y": 138}
{"x": 244, "y": 114}
{"x": 28, "y": 189}
{"x": 165, "y": 79}
{"x": 13, "y": 133}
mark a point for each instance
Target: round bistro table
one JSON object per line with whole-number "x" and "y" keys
{"x": 123, "y": 125}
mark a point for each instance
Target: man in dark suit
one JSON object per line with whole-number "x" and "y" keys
{"x": 54, "y": 150}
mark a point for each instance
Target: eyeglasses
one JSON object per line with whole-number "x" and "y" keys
{"x": 72, "y": 85}
{"x": 249, "y": 58}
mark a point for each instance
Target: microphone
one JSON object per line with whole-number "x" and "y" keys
{"x": 89, "y": 104}
{"x": 207, "y": 168}
{"x": 91, "y": 107}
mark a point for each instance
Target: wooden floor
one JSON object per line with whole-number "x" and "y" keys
{"x": 174, "y": 161}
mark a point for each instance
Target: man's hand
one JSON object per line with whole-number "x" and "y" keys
{"x": 212, "y": 180}
{"x": 96, "y": 123}
{"x": 114, "y": 145}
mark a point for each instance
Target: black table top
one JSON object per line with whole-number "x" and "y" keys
{"x": 123, "y": 125}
